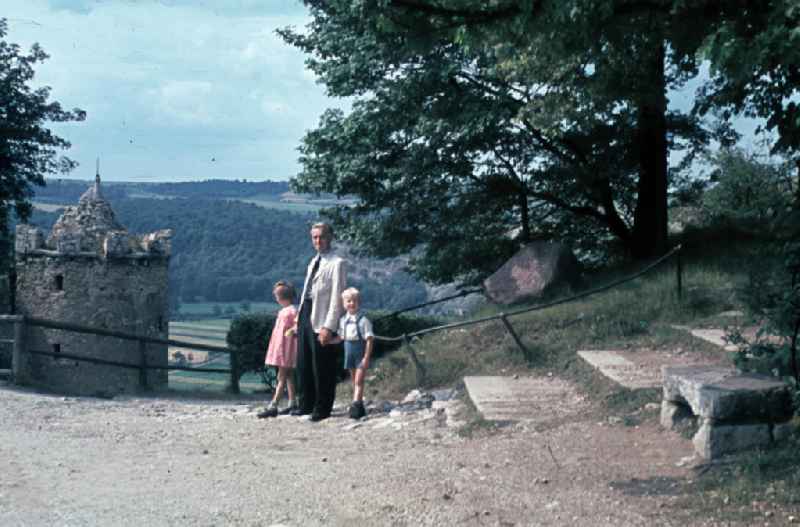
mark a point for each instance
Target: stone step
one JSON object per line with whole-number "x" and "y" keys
{"x": 640, "y": 368}
{"x": 621, "y": 370}
{"x": 526, "y": 399}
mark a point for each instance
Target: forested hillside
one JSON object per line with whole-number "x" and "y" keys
{"x": 229, "y": 251}
{"x": 68, "y": 191}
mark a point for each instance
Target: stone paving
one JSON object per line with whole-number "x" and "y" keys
{"x": 621, "y": 370}
{"x": 523, "y": 399}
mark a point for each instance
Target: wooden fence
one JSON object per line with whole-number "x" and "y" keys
{"x": 20, "y": 349}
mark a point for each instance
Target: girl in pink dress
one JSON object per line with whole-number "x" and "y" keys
{"x": 282, "y": 350}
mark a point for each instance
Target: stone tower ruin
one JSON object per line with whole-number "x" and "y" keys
{"x": 91, "y": 271}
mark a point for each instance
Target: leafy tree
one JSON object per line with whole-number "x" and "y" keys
{"x": 472, "y": 123}
{"x": 754, "y": 52}
{"x": 28, "y": 150}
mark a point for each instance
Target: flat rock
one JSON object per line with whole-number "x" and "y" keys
{"x": 530, "y": 399}
{"x": 641, "y": 368}
{"x": 714, "y": 336}
{"x": 621, "y": 370}
{"x": 723, "y": 394}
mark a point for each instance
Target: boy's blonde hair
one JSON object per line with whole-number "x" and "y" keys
{"x": 351, "y": 292}
{"x": 283, "y": 290}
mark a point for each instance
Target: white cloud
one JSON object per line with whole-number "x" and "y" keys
{"x": 165, "y": 82}
{"x": 189, "y": 102}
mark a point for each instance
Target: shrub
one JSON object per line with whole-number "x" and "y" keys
{"x": 747, "y": 189}
{"x": 777, "y": 296}
{"x": 248, "y": 336}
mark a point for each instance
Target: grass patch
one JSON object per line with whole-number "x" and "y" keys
{"x": 759, "y": 485}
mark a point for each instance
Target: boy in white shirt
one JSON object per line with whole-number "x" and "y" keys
{"x": 355, "y": 330}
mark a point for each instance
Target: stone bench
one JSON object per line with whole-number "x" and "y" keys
{"x": 736, "y": 411}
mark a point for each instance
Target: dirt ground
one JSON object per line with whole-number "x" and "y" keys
{"x": 187, "y": 461}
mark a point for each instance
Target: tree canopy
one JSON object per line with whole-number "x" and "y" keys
{"x": 468, "y": 138}
{"x": 479, "y": 126}
{"x": 28, "y": 149}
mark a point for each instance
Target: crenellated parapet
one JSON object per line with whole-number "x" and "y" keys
{"x": 90, "y": 229}
{"x": 30, "y": 241}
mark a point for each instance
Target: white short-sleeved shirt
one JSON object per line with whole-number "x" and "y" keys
{"x": 349, "y": 331}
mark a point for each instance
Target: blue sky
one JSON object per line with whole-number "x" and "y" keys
{"x": 175, "y": 90}
{"x": 180, "y": 90}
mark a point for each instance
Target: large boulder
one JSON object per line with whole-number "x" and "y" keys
{"x": 537, "y": 267}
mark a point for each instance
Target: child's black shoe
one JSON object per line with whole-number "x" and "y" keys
{"x": 269, "y": 411}
{"x": 357, "y": 410}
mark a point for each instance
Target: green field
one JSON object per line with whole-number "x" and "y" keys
{"x": 212, "y": 332}
{"x": 228, "y": 308}
{"x": 269, "y": 201}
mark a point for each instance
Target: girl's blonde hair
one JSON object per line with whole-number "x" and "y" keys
{"x": 283, "y": 290}
{"x": 351, "y": 292}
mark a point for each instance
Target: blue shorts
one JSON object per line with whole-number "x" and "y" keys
{"x": 353, "y": 353}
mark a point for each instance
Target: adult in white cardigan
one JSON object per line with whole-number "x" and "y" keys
{"x": 320, "y": 310}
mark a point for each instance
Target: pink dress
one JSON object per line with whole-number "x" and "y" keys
{"x": 282, "y": 350}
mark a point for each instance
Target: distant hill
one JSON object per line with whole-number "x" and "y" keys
{"x": 67, "y": 191}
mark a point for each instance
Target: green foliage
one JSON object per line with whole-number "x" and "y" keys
{"x": 249, "y": 336}
{"x": 28, "y": 150}
{"x": 479, "y": 128}
{"x": 747, "y": 189}
{"x": 774, "y": 290}
{"x": 754, "y": 54}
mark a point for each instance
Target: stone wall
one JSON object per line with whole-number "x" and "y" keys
{"x": 126, "y": 293}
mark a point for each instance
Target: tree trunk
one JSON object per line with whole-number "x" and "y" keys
{"x": 524, "y": 217}
{"x": 650, "y": 217}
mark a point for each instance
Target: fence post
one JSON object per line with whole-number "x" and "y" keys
{"x": 142, "y": 364}
{"x": 234, "y": 360}
{"x": 516, "y": 338}
{"x": 418, "y": 367}
{"x": 679, "y": 272}
{"x": 19, "y": 357}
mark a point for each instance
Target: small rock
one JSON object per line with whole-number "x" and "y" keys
{"x": 792, "y": 519}
{"x": 614, "y": 420}
{"x": 324, "y": 460}
{"x": 652, "y": 407}
{"x": 412, "y": 397}
{"x": 447, "y": 496}
{"x": 205, "y": 452}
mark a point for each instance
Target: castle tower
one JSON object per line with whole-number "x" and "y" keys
{"x": 91, "y": 271}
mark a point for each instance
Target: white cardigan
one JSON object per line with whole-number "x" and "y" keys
{"x": 326, "y": 291}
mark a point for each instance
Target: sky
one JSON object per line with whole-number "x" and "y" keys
{"x": 175, "y": 90}
{"x": 184, "y": 90}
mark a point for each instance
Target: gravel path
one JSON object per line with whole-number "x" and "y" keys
{"x": 150, "y": 461}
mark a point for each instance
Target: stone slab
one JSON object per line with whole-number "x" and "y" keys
{"x": 712, "y": 440}
{"x": 622, "y": 370}
{"x": 524, "y": 399}
{"x": 723, "y": 394}
{"x": 714, "y": 336}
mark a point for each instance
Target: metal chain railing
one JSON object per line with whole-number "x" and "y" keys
{"x": 406, "y": 337}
